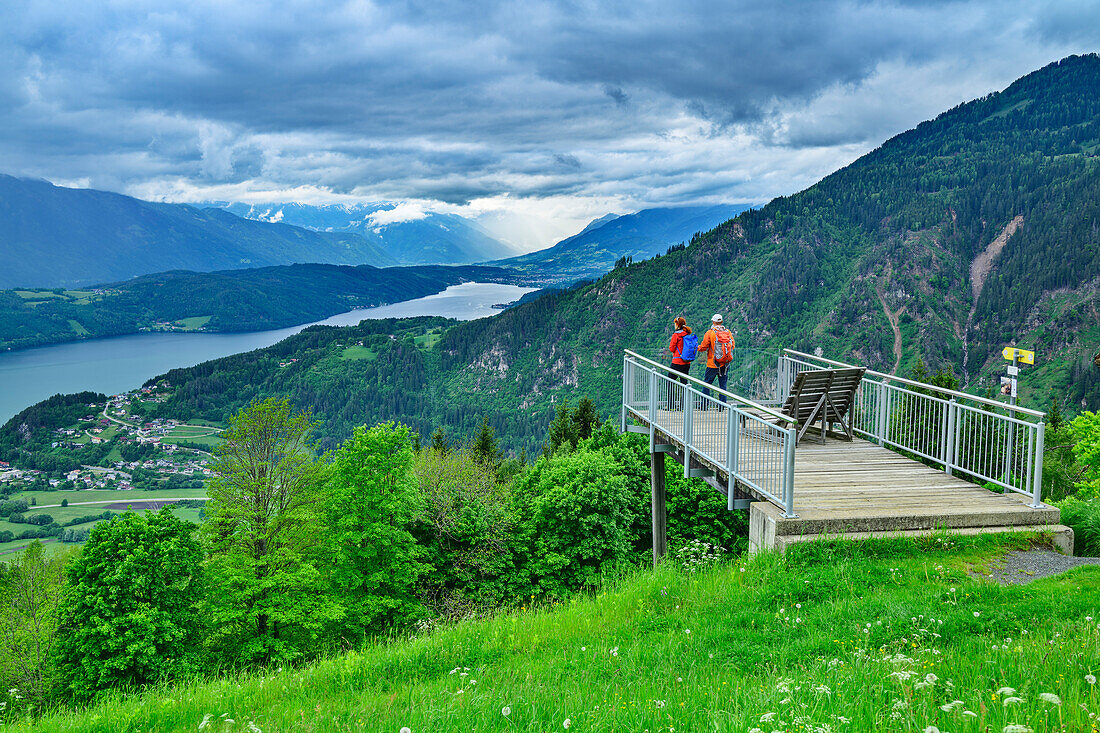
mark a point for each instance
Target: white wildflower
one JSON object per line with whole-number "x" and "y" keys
{"x": 406, "y": 729}
{"x": 900, "y": 705}
{"x": 566, "y": 723}
{"x": 1091, "y": 679}
{"x": 659, "y": 703}
{"x": 951, "y": 706}
{"x": 931, "y": 729}
{"x": 970, "y": 713}
{"x": 977, "y": 614}
{"x": 1006, "y": 691}
{"x": 753, "y": 730}
{"x": 931, "y": 678}
{"x": 615, "y": 651}
{"x": 506, "y": 711}
{"x": 1050, "y": 697}
{"x": 1012, "y": 701}
{"x": 767, "y": 717}
{"x": 205, "y": 721}
{"x": 785, "y": 701}
{"x": 1016, "y": 728}
{"x": 823, "y": 690}
{"x": 253, "y": 728}
{"x": 584, "y": 648}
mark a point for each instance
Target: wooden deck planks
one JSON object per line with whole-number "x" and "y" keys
{"x": 853, "y": 480}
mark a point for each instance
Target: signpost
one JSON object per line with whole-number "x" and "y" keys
{"x": 1009, "y": 386}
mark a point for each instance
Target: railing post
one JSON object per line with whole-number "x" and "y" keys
{"x": 949, "y": 437}
{"x": 781, "y": 380}
{"x": 689, "y": 406}
{"x": 788, "y": 488}
{"x": 733, "y": 451}
{"x": 887, "y": 415}
{"x": 628, "y": 375}
{"x": 652, "y": 398}
{"x": 880, "y": 412}
{"x": 1037, "y": 483}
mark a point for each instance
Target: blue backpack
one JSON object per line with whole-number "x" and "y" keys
{"x": 690, "y": 347}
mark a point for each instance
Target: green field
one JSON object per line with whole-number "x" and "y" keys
{"x": 199, "y": 435}
{"x": 62, "y": 515}
{"x": 79, "y": 329}
{"x": 890, "y": 635}
{"x": 194, "y": 323}
{"x": 45, "y": 498}
{"x": 38, "y": 294}
{"x": 359, "y": 353}
{"x": 428, "y": 340}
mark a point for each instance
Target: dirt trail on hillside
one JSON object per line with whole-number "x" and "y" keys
{"x": 979, "y": 273}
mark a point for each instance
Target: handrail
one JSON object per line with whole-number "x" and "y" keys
{"x": 922, "y": 385}
{"x": 754, "y": 405}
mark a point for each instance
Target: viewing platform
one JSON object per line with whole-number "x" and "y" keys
{"x": 814, "y": 447}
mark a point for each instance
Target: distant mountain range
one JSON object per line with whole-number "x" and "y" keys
{"x": 62, "y": 237}
{"x": 595, "y": 249}
{"x": 418, "y": 238}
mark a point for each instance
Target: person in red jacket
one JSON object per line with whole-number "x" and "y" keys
{"x": 679, "y": 364}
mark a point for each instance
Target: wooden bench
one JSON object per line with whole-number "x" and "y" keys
{"x": 825, "y": 396}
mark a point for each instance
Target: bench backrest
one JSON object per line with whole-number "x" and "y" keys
{"x": 806, "y": 395}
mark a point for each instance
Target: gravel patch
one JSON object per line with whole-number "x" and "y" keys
{"x": 1025, "y": 566}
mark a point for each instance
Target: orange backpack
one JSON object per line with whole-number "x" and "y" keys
{"x": 723, "y": 345}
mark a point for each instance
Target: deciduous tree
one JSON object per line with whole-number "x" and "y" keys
{"x": 131, "y": 617}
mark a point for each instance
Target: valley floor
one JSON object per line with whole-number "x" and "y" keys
{"x": 883, "y": 635}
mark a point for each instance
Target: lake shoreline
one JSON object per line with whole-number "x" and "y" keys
{"x": 118, "y": 363}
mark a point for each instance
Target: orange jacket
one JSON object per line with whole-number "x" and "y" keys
{"x": 708, "y": 346}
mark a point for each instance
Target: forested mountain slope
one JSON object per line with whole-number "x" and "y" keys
{"x": 893, "y": 236}
{"x": 594, "y": 250}
{"x": 52, "y": 236}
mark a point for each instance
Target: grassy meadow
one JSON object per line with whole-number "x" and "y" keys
{"x": 884, "y": 635}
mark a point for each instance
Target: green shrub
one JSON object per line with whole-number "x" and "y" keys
{"x": 1083, "y": 516}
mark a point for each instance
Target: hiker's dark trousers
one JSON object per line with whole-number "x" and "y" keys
{"x": 722, "y": 373}
{"x": 675, "y": 392}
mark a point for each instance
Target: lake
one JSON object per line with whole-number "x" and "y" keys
{"x": 114, "y": 365}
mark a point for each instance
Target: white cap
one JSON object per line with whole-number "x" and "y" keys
{"x": 716, "y": 318}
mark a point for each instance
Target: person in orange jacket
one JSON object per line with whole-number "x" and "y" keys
{"x": 718, "y": 343}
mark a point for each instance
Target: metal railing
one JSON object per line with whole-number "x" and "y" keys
{"x": 749, "y": 441}
{"x": 978, "y": 439}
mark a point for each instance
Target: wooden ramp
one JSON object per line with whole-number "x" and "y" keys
{"x": 853, "y": 488}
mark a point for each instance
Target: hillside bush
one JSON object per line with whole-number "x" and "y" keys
{"x": 13, "y": 506}
{"x": 40, "y": 520}
{"x": 1083, "y": 516}
{"x": 133, "y": 611}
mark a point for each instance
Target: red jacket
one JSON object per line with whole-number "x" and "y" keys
{"x": 676, "y": 345}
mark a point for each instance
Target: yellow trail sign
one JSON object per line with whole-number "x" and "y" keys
{"x": 1024, "y": 356}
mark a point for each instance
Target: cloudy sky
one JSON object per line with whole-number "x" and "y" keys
{"x": 534, "y": 116}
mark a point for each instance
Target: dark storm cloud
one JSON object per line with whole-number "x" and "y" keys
{"x": 637, "y": 102}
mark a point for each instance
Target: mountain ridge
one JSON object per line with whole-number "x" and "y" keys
{"x": 53, "y": 236}
{"x": 595, "y": 249}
